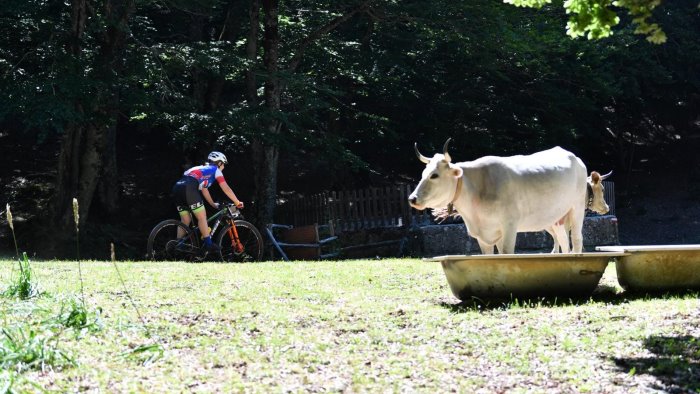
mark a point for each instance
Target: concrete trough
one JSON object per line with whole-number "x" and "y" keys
{"x": 657, "y": 267}
{"x": 524, "y": 275}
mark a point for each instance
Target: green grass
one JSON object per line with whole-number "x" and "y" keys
{"x": 367, "y": 326}
{"x": 22, "y": 286}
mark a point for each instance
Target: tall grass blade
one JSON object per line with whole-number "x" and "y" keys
{"x": 73, "y": 314}
{"x": 7, "y": 379}
{"x": 12, "y": 227}
{"x": 154, "y": 350}
{"x": 131, "y": 300}
{"x": 23, "y": 288}
{"x": 76, "y": 218}
{"x": 147, "y": 354}
{"x": 25, "y": 348}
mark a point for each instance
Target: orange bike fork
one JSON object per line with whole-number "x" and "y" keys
{"x": 235, "y": 240}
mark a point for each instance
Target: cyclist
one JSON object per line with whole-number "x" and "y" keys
{"x": 188, "y": 198}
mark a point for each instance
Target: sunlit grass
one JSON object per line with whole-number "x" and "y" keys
{"x": 372, "y": 326}
{"x": 23, "y": 285}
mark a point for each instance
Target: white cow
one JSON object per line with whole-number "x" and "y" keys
{"x": 497, "y": 197}
{"x": 595, "y": 201}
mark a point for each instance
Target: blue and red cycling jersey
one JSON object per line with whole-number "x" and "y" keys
{"x": 205, "y": 175}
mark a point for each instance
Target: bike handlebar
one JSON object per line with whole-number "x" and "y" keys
{"x": 228, "y": 204}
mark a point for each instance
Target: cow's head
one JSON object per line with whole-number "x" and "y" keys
{"x": 438, "y": 183}
{"x": 596, "y": 200}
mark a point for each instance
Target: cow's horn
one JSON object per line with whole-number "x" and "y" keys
{"x": 420, "y": 157}
{"x": 444, "y": 150}
{"x": 604, "y": 177}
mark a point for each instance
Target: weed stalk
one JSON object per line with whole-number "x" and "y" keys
{"x": 76, "y": 218}
{"x": 12, "y": 227}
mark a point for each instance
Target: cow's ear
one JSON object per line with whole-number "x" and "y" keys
{"x": 457, "y": 172}
{"x": 595, "y": 177}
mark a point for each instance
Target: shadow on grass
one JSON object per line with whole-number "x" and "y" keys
{"x": 676, "y": 363}
{"x": 603, "y": 294}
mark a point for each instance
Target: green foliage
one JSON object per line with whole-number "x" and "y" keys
{"x": 74, "y": 314}
{"x": 596, "y": 18}
{"x": 641, "y": 11}
{"x": 24, "y": 286}
{"x": 592, "y": 18}
{"x": 528, "y": 3}
{"x": 145, "y": 354}
{"x": 25, "y": 347}
{"x": 7, "y": 380}
{"x": 498, "y": 79}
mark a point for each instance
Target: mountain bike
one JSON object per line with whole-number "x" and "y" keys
{"x": 239, "y": 240}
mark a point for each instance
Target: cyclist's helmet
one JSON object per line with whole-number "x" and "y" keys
{"x": 217, "y": 156}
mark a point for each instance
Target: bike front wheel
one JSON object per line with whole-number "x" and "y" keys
{"x": 164, "y": 244}
{"x": 240, "y": 243}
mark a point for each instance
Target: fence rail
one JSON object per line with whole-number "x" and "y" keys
{"x": 368, "y": 208}
{"x": 355, "y": 209}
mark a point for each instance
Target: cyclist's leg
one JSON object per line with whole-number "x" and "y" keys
{"x": 196, "y": 206}
{"x": 185, "y": 218}
{"x": 201, "y": 215}
{"x": 181, "y": 196}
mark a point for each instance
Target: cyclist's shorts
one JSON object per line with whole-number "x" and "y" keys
{"x": 186, "y": 195}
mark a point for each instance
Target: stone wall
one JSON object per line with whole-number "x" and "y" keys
{"x": 437, "y": 240}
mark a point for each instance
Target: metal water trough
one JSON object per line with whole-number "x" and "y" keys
{"x": 657, "y": 267}
{"x": 524, "y": 275}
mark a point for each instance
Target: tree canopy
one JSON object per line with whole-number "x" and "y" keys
{"x": 596, "y": 18}
{"x": 116, "y": 97}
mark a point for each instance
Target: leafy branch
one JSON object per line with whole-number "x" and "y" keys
{"x": 596, "y": 18}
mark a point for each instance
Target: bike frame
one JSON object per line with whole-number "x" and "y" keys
{"x": 229, "y": 213}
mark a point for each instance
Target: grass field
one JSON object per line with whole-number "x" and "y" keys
{"x": 351, "y": 326}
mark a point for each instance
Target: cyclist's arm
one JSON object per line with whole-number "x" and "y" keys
{"x": 230, "y": 194}
{"x": 207, "y": 196}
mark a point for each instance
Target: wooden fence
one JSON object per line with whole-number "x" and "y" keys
{"x": 368, "y": 208}
{"x": 354, "y": 209}
{"x": 609, "y": 195}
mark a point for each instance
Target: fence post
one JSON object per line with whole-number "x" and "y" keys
{"x": 609, "y": 195}
{"x": 405, "y": 208}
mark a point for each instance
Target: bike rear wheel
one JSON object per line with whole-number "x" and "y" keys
{"x": 164, "y": 245}
{"x": 250, "y": 239}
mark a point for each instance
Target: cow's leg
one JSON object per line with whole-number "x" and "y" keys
{"x": 561, "y": 239}
{"x": 550, "y": 231}
{"x": 559, "y": 232}
{"x": 485, "y": 248}
{"x": 506, "y": 245}
{"x": 576, "y": 222}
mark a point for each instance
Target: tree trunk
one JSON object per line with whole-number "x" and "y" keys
{"x": 79, "y": 167}
{"x": 87, "y": 146}
{"x": 68, "y": 171}
{"x": 253, "y": 101}
{"x": 266, "y": 155}
{"x": 108, "y": 186}
{"x": 91, "y": 165}
{"x": 266, "y": 150}
{"x": 252, "y": 54}
{"x": 67, "y": 176}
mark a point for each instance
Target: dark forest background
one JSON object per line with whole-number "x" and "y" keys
{"x": 109, "y": 101}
